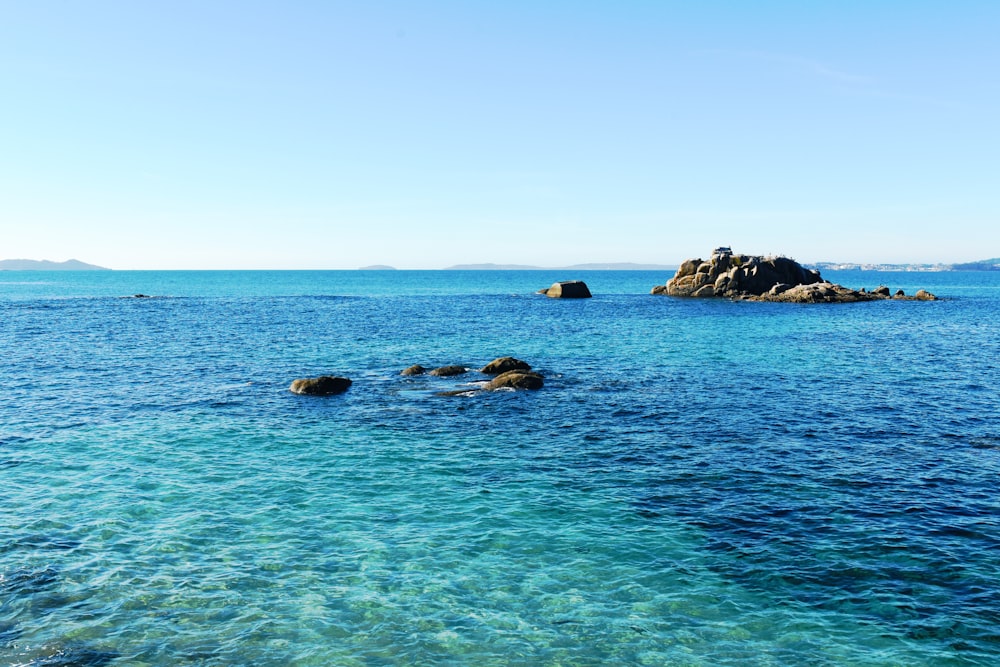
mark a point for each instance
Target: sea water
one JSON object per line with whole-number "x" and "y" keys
{"x": 699, "y": 482}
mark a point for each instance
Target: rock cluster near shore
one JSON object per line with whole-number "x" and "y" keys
{"x": 505, "y": 372}
{"x": 756, "y": 278}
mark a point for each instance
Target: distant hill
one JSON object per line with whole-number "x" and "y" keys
{"x": 982, "y": 265}
{"x": 46, "y": 265}
{"x": 613, "y": 266}
{"x": 377, "y": 267}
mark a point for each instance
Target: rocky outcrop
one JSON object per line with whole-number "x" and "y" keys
{"x": 569, "y": 289}
{"x": 516, "y": 380}
{"x": 504, "y": 364}
{"x": 325, "y": 385}
{"x": 727, "y": 274}
{"x": 755, "y": 278}
{"x": 415, "y": 369}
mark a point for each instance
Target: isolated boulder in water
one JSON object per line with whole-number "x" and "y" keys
{"x": 516, "y": 380}
{"x": 924, "y": 295}
{"x": 569, "y": 289}
{"x": 504, "y": 364}
{"x": 448, "y": 371}
{"x": 324, "y": 385}
{"x": 415, "y": 369}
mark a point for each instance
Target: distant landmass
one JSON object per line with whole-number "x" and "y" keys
{"x": 46, "y": 265}
{"x": 614, "y": 266}
{"x": 982, "y": 265}
{"x": 377, "y": 267}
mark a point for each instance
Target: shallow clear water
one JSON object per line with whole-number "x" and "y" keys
{"x": 698, "y": 483}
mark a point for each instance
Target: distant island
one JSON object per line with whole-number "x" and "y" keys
{"x": 377, "y": 267}
{"x": 46, "y": 265}
{"x": 614, "y": 266}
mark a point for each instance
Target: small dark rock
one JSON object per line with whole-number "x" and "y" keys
{"x": 324, "y": 385}
{"x": 449, "y": 371}
{"x": 882, "y": 290}
{"x": 415, "y": 369}
{"x": 899, "y": 294}
{"x": 504, "y": 364}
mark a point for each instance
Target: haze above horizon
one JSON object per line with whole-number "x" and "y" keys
{"x": 265, "y": 135}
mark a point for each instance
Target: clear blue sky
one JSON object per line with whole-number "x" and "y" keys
{"x": 290, "y": 134}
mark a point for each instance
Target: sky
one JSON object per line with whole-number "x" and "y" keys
{"x": 335, "y": 135}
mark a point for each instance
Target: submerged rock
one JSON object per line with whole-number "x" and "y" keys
{"x": 325, "y": 385}
{"x": 504, "y": 364}
{"x": 756, "y": 278}
{"x": 415, "y": 369}
{"x": 449, "y": 371}
{"x": 569, "y": 289}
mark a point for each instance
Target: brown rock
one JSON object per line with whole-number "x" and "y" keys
{"x": 516, "y": 380}
{"x": 704, "y": 291}
{"x": 449, "y": 371}
{"x": 504, "y": 364}
{"x": 415, "y": 369}
{"x": 688, "y": 267}
{"x": 325, "y": 385}
{"x": 924, "y": 295}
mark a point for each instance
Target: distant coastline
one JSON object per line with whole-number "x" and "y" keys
{"x": 982, "y": 265}
{"x": 612, "y": 266}
{"x": 46, "y": 265}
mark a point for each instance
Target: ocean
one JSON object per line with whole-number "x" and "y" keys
{"x": 699, "y": 482}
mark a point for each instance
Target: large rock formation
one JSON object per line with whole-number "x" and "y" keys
{"x": 757, "y": 278}
{"x": 568, "y": 289}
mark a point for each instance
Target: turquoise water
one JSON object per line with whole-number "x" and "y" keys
{"x": 698, "y": 483}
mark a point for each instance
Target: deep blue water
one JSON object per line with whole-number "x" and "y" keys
{"x": 699, "y": 482}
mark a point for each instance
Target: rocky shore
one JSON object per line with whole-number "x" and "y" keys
{"x": 756, "y": 278}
